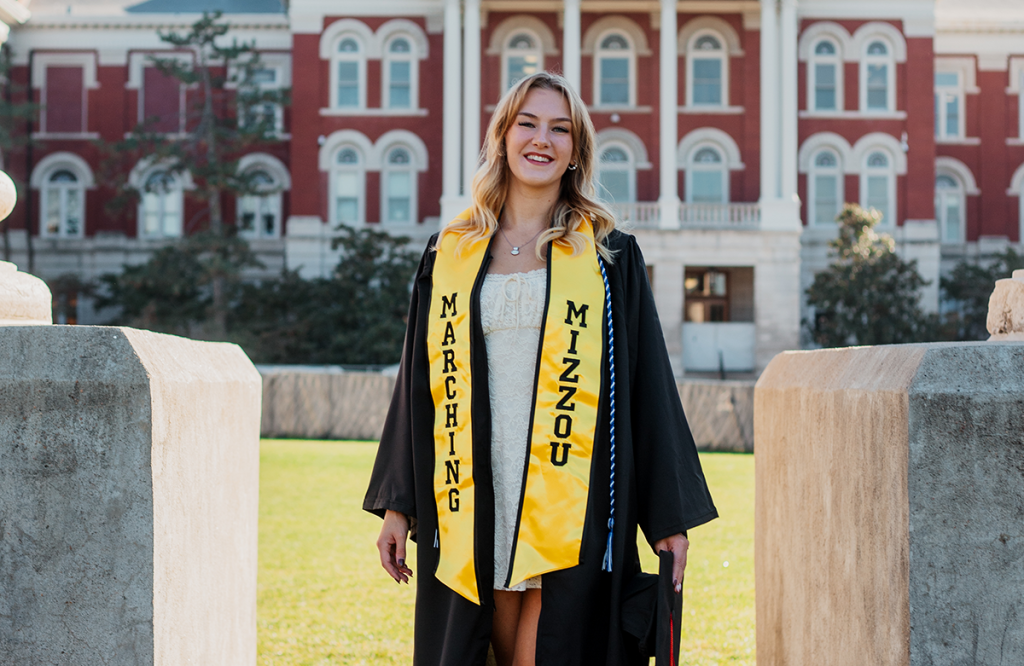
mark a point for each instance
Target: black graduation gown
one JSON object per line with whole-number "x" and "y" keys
{"x": 659, "y": 484}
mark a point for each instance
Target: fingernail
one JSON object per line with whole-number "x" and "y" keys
{"x": 675, "y": 581}
{"x": 679, "y": 588}
{"x": 401, "y": 561}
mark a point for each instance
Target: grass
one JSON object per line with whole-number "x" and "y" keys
{"x": 323, "y": 598}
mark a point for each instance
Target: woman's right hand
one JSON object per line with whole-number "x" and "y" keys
{"x": 391, "y": 544}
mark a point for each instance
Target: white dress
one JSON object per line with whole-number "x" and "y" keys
{"x": 511, "y": 311}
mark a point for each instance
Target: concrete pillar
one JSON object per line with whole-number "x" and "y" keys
{"x": 788, "y": 106}
{"x": 571, "y": 43}
{"x": 129, "y": 476}
{"x": 668, "y": 65}
{"x": 470, "y": 96}
{"x": 770, "y": 90}
{"x": 888, "y": 509}
{"x": 668, "y": 296}
{"x": 451, "y": 158}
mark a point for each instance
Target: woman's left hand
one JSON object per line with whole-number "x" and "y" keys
{"x": 676, "y": 544}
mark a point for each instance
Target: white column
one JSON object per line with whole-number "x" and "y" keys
{"x": 452, "y": 123}
{"x": 571, "y": 43}
{"x": 470, "y": 96}
{"x": 668, "y": 200}
{"x": 770, "y": 85}
{"x": 788, "y": 69}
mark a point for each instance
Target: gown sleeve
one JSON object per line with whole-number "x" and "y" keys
{"x": 392, "y": 482}
{"x": 671, "y": 491}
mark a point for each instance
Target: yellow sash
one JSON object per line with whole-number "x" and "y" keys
{"x": 563, "y": 423}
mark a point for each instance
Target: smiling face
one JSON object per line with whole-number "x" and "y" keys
{"x": 538, "y": 145}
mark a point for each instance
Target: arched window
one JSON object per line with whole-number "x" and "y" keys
{"x": 825, "y": 185}
{"x": 400, "y": 74}
{"x": 349, "y": 73}
{"x": 707, "y": 69}
{"x": 399, "y": 181}
{"x": 348, "y": 185}
{"x": 616, "y": 174}
{"x": 614, "y": 69}
{"x": 949, "y": 208}
{"x": 63, "y": 204}
{"x": 878, "y": 185}
{"x": 521, "y": 57}
{"x": 707, "y": 176}
{"x": 259, "y": 213}
{"x": 877, "y": 76}
{"x": 161, "y": 209}
{"x": 825, "y": 76}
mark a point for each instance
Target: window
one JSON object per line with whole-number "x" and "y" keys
{"x": 160, "y": 211}
{"x": 877, "y": 77}
{"x": 878, "y": 185}
{"x": 349, "y": 67}
{"x": 614, "y": 68}
{"x": 64, "y": 101}
{"x": 707, "y": 177}
{"x": 399, "y": 181}
{"x": 949, "y": 208}
{"x": 400, "y": 74}
{"x": 707, "y": 65}
{"x": 825, "y": 183}
{"x": 706, "y": 295}
{"x": 521, "y": 57}
{"x": 259, "y": 214}
{"x": 824, "y": 70}
{"x": 255, "y": 114}
{"x": 948, "y": 106}
{"x": 63, "y": 204}
{"x": 162, "y": 102}
{"x": 348, "y": 186}
{"x": 616, "y": 175}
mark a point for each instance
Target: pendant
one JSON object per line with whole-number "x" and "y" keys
{"x": 515, "y": 250}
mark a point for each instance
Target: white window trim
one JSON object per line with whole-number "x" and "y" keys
{"x": 888, "y": 216}
{"x": 1016, "y": 189}
{"x": 360, "y": 171}
{"x": 813, "y": 34}
{"x": 832, "y": 141}
{"x": 386, "y": 169}
{"x": 1016, "y": 87}
{"x": 890, "y": 71}
{"x": 725, "y": 170}
{"x": 39, "y": 180}
{"x": 179, "y": 193}
{"x": 274, "y": 168}
{"x": 507, "y": 51}
{"x": 360, "y": 60}
{"x": 960, "y": 92}
{"x": 722, "y": 55}
{"x": 281, "y": 63}
{"x": 87, "y": 61}
{"x": 710, "y": 136}
{"x": 940, "y": 216}
{"x": 813, "y": 172}
{"x": 630, "y": 55}
{"x": 629, "y": 166}
{"x": 138, "y": 61}
{"x": 414, "y": 73}
{"x": 620, "y": 135}
{"x": 522, "y": 23}
{"x": 836, "y": 60}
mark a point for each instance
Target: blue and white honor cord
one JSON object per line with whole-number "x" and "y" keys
{"x": 606, "y": 564}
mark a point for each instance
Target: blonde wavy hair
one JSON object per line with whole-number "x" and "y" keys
{"x": 578, "y": 198}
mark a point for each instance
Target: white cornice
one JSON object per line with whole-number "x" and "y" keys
{"x": 150, "y": 21}
{"x": 918, "y": 16}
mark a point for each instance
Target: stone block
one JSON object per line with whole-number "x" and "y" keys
{"x": 129, "y": 472}
{"x": 720, "y": 414}
{"x": 889, "y": 506}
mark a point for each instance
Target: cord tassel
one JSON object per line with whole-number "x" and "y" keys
{"x": 606, "y": 564}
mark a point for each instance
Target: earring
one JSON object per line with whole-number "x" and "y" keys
{"x": 572, "y": 167}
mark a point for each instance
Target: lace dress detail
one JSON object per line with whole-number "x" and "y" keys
{"x": 511, "y": 311}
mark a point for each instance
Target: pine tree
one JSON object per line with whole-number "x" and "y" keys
{"x": 869, "y": 295}
{"x": 229, "y": 114}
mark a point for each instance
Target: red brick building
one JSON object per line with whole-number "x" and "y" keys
{"x": 730, "y": 132}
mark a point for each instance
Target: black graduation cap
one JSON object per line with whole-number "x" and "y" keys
{"x": 652, "y": 613}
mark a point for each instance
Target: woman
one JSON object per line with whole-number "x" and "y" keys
{"x": 497, "y": 451}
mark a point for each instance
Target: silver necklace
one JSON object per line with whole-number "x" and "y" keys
{"x": 515, "y": 248}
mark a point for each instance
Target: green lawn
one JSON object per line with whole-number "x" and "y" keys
{"x": 323, "y": 598}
